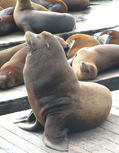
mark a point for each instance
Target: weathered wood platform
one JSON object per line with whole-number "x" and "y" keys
{"x": 103, "y": 139}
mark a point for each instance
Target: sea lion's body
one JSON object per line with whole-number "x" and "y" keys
{"x": 53, "y": 5}
{"x": 6, "y": 55}
{"x": 81, "y": 40}
{"x": 59, "y": 102}
{"x": 77, "y": 5}
{"x": 26, "y": 18}
{"x": 11, "y": 73}
{"x": 7, "y": 24}
{"x": 91, "y": 60}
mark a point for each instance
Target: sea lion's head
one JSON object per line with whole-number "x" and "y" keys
{"x": 87, "y": 71}
{"x": 44, "y": 42}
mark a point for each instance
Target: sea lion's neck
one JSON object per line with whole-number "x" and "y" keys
{"x": 23, "y": 5}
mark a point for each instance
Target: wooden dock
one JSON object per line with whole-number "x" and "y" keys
{"x": 103, "y": 139}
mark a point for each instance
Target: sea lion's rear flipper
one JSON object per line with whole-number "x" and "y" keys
{"x": 29, "y": 123}
{"x": 55, "y": 135}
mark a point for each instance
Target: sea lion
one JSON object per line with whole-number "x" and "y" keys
{"x": 91, "y": 60}
{"x": 11, "y": 73}
{"x": 109, "y": 37}
{"x": 7, "y": 24}
{"x": 5, "y": 55}
{"x": 53, "y": 22}
{"x": 55, "y": 95}
{"x": 77, "y": 5}
{"x": 80, "y": 41}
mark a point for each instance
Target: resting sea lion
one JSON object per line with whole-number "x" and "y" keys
{"x": 7, "y": 24}
{"x": 77, "y": 5}
{"x": 109, "y": 37}
{"x": 55, "y": 95}
{"x": 91, "y": 60}
{"x": 53, "y": 22}
{"x": 80, "y": 41}
{"x": 5, "y": 55}
{"x": 11, "y": 73}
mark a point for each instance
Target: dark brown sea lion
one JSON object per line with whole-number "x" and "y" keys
{"x": 11, "y": 73}
{"x": 5, "y": 55}
{"x": 80, "y": 41}
{"x": 77, "y": 5}
{"x": 55, "y": 95}
{"x": 26, "y": 18}
{"x": 109, "y": 37}
{"x": 7, "y": 24}
{"x": 91, "y": 60}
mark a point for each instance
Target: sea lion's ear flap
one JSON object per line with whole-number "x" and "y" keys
{"x": 55, "y": 136}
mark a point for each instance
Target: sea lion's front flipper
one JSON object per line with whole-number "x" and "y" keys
{"x": 29, "y": 123}
{"x": 30, "y": 126}
{"x": 30, "y": 118}
{"x": 55, "y": 135}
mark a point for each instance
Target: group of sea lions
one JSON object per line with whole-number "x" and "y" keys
{"x": 50, "y": 15}
{"x": 29, "y": 16}
{"x": 52, "y": 70}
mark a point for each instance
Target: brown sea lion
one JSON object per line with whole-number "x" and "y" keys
{"x": 91, "y": 60}
{"x": 53, "y": 5}
{"x": 55, "y": 95}
{"x": 11, "y": 73}
{"x": 7, "y": 24}
{"x": 5, "y": 55}
{"x": 53, "y": 22}
{"x": 109, "y": 37}
{"x": 77, "y": 5}
{"x": 80, "y": 41}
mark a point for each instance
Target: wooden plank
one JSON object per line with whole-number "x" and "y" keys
{"x": 9, "y": 147}
{"x": 27, "y": 139}
{"x": 103, "y": 138}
